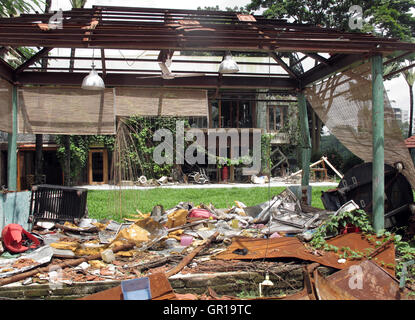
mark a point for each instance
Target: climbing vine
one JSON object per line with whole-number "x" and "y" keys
{"x": 79, "y": 147}
{"x": 142, "y": 131}
{"x": 360, "y": 219}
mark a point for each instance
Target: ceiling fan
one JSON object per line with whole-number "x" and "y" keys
{"x": 168, "y": 75}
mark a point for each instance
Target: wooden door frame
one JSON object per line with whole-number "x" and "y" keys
{"x": 104, "y": 169}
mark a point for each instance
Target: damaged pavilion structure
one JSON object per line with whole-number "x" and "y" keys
{"x": 344, "y": 85}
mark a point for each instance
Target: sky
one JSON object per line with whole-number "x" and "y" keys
{"x": 397, "y": 88}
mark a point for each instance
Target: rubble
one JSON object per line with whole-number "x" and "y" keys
{"x": 190, "y": 238}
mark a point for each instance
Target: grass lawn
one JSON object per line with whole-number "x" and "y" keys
{"x": 106, "y": 204}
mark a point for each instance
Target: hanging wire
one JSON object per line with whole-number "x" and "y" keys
{"x": 269, "y": 171}
{"x": 126, "y": 60}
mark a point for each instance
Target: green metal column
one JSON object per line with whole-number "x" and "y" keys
{"x": 12, "y": 147}
{"x": 306, "y": 140}
{"x": 378, "y": 171}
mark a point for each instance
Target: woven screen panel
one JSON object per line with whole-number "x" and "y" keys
{"x": 45, "y": 110}
{"x": 184, "y": 103}
{"x": 6, "y": 113}
{"x": 161, "y": 102}
{"x": 344, "y": 104}
{"x": 136, "y": 101}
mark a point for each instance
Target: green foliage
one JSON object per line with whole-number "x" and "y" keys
{"x": 266, "y": 161}
{"x": 11, "y": 8}
{"x": 79, "y": 148}
{"x": 142, "y": 131}
{"x": 358, "y": 218}
{"x": 404, "y": 250}
{"x": 391, "y": 18}
{"x": 78, "y": 3}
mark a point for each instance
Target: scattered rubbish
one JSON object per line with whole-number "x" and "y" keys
{"x": 259, "y": 180}
{"x": 199, "y": 177}
{"x": 186, "y": 240}
{"x": 136, "y": 289}
{"x": 266, "y": 283}
{"x": 191, "y": 255}
{"x": 16, "y": 239}
{"x": 356, "y": 185}
{"x": 188, "y": 237}
{"x": 25, "y": 262}
{"x": 275, "y": 235}
{"x": 142, "y": 180}
{"x": 159, "y": 289}
{"x": 108, "y": 256}
{"x": 57, "y": 203}
{"x": 162, "y": 180}
{"x": 200, "y": 213}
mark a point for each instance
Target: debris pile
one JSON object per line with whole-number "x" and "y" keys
{"x": 200, "y": 238}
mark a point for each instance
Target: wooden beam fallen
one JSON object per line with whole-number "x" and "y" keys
{"x": 190, "y": 256}
{"x": 69, "y": 263}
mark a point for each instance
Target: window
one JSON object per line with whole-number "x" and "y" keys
{"x": 276, "y": 117}
{"x": 232, "y": 113}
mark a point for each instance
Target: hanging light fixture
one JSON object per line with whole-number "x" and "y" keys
{"x": 228, "y": 65}
{"x": 93, "y": 81}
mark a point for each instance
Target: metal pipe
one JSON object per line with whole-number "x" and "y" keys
{"x": 378, "y": 171}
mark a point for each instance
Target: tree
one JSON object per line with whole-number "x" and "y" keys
{"x": 11, "y": 8}
{"x": 388, "y": 17}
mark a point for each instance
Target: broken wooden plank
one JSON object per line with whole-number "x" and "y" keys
{"x": 191, "y": 255}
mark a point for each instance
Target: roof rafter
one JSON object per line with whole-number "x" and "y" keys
{"x": 317, "y": 57}
{"x": 281, "y": 62}
{"x": 35, "y": 58}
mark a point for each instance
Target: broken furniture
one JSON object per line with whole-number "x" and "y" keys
{"x": 357, "y": 185}
{"x": 57, "y": 203}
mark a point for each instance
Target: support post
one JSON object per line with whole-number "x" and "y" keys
{"x": 378, "y": 171}
{"x": 306, "y": 143}
{"x": 12, "y": 147}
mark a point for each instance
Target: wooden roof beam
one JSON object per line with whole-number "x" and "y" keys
{"x": 281, "y": 62}
{"x": 321, "y": 71}
{"x": 35, "y": 58}
{"x": 6, "y": 71}
{"x": 317, "y": 57}
{"x": 121, "y": 79}
{"x": 104, "y": 68}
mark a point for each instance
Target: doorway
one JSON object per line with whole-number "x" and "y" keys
{"x": 98, "y": 166}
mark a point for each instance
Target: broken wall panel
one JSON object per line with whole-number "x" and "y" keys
{"x": 14, "y": 208}
{"x": 6, "y": 112}
{"x": 63, "y": 110}
{"x": 161, "y": 102}
{"x": 344, "y": 103}
{"x": 368, "y": 281}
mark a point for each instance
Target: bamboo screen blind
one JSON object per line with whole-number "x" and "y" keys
{"x": 63, "y": 110}
{"x": 161, "y": 102}
{"x": 6, "y": 115}
{"x": 66, "y": 111}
